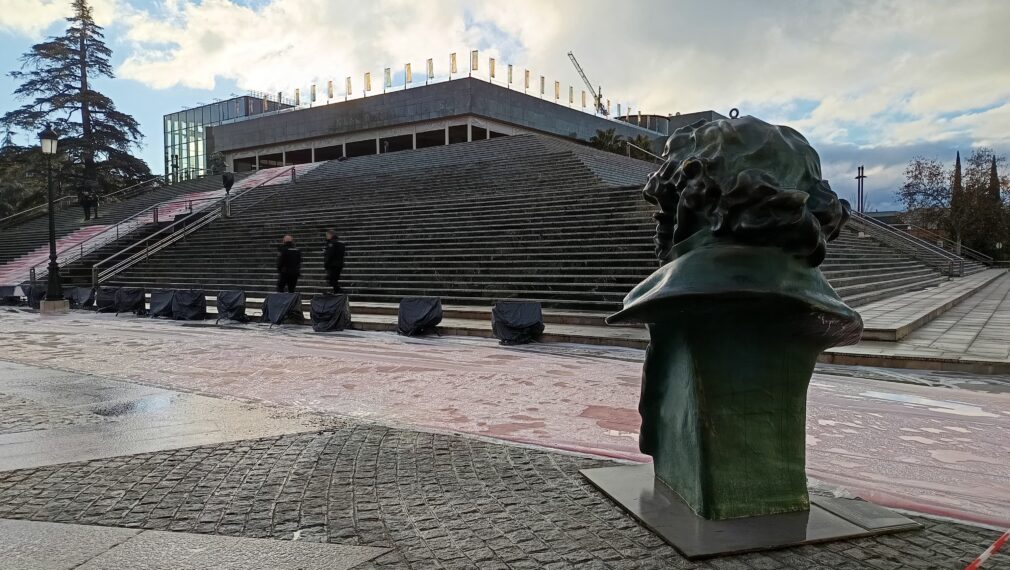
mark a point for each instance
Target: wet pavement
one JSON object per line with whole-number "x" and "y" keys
{"x": 49, "y": 417}
{"x": 930, "y": 443}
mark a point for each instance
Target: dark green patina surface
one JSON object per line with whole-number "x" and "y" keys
{"x": 737, "y": 315}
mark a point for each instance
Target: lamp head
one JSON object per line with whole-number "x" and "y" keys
{"x": 48, "y": 139}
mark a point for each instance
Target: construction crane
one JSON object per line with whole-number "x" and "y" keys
{"x": 597, "y": 94}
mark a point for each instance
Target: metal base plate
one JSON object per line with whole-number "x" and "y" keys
{"x": 636, "y": 489}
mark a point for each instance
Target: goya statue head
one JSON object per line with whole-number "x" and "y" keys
{"x": 744, "y": 181}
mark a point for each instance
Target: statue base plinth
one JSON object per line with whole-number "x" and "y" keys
{"x": 635, "y": 489}
{"x": 48, "y": 308}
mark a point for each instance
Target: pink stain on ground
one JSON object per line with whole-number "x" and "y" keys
{"x": 571, "y": 402}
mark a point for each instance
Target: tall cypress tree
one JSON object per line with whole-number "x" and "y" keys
{"x": 994, "y": 184}
{"x": 57, "y": 84}
{"x": 957, "y": 202}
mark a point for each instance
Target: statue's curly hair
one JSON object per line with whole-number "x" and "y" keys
{"x": 747, "y": 182}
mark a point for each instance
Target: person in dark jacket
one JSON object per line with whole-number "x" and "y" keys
{"x": 289, "y": 265}
{"x": 85, "y": 201}
{"x": 93, "y": 199}
{"x": 333, "y": 260}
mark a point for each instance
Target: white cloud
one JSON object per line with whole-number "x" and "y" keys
{"x": 872, "y": 75}
{"x": 30, "y": 17}
{"x": 33, "y": 17}
{"x": 282, "y": 45}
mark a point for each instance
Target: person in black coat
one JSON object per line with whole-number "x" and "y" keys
{"x": 84, "y": 199}
{"x": 333, "y": 260}
{"x": 289, "y": 265}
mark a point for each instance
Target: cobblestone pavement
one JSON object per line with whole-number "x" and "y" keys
{"x": 439, "y": 501}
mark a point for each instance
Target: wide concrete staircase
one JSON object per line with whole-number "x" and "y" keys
{"x": 863, "y": 270}
{"x": 527, "y": 217}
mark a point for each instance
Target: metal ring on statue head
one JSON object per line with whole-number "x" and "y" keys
{"x": 734, "y": 113}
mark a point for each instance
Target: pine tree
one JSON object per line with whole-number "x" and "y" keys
{"x": 57, "y": 84}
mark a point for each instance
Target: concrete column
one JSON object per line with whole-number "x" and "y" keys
{"x": 377, "y": 149}
{"x": 257, "y": 161}
{"x": 343, "y": 149}
{"x": 447, "y": 134}
{"x": 284, "y": 158}
{"x": 469, "y": 130}
{"x": 414, "y": 136}
{"x": 313, "y": 157}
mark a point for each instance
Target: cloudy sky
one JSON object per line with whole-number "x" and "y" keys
{"x": 870, "y": 83}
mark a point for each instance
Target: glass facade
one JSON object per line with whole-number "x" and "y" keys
{"x": 186, "y": 133}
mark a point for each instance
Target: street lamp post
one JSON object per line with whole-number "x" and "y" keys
{"x": 54, "y": 293}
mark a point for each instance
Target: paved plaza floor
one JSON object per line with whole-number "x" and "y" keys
{"x": 368, "y": 496}
{"x": 448, "y": 452}
{"x": 973, "y": 334}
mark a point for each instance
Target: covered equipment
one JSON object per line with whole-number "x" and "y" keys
{"x": 189, "y": 305}
{"x": 231, "y": 306}
{"x": 105, "y": 299}
{"x": 517, "y": 322}
{"x": 79, "y": 297}
{"x": 330, "y": 313}
{"x": 130, "y": 300}
{"x": 279, "y": 308}
{"x": 161, "y": 303}
{"x": 419, "y": 315}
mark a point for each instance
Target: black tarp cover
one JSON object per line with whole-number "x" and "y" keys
{"x": 130, "y": 300}
{"x": 189, "y": 305}
{"x": 231, "y": 306}
{"x": 161, "y": 303}
{"x": 418, "y": 315}
{"x": 105, "y": 299}
{"x": 10, "y": 294}
{"x": 330, "y": 313}
{"x": 34, "y": 294}
{"x": 79, "y": 297}
{"x": 517, "y": 322}
{"x": 279, "y": 308}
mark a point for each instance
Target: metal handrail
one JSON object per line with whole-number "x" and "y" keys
{"x": 922, "y": 250}
{"x": 62, "y": 201}
{"x": 77, "y": 251}
{"x": 916, "y": 241}
{"x": 173, "y": 236}
{"x": 955, "y": 248}
{"x": 656, "y": 156}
